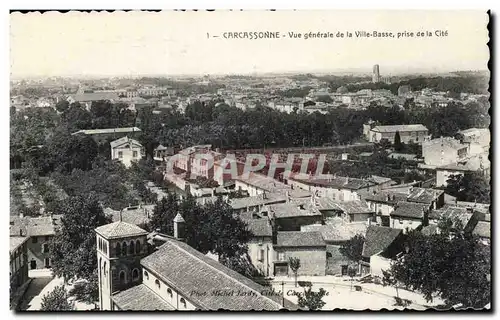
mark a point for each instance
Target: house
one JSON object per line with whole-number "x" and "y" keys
{"x": 337, "y": 232}
{"x": 432, "y": 197}
{"x": 139, "y": 215}
{"x": 382, "y": 244}
{"x": 338, "y": 188}
{"x": 255, "y": 183}
{"x": 478, "y": 163}
{"x": 260, "y": 247}
{"x": 466, "y": 217}
{"x": 18, "y": 261}
{"x": 256, "y": 203}
{"x": 383, "y": 203}
{"x": 126, "y": 150}
{"x": 197, "y": 160}
{"x": 309, "y": 247}
{"x": 478, "y": 140}
{"x": 161, "y": 152}
{"x": 88, "y": 98}
{"x": 290, "y": 216}
{"x": 354, "y": 211}
{"x": 40, "y": 231}
{"x": 154, "y": 272}
{"x": 409, "y": 133}
{"x": 443, "y": 151}
{"x": 409, "y": 216}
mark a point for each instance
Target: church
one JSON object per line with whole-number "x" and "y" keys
{"x": 154, "y": 272}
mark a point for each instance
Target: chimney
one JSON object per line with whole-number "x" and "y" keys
{"x": 179, "y": 224}
{"x": 20, "y": 232}
{"x": 121, "y": 215}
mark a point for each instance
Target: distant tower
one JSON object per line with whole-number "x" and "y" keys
{"x": 120, "y": 248}
{"x": 376, "y": 74}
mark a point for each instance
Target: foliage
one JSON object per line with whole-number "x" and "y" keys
{"x": 57, "y": 300}
{"x": 87, "y": 291}
{"x": 209, "y": 228}
{"x": 294, "y": 264}
{"x": 311, "y": 299}
{"x": 454, "y": 266}
{"x": 353, "y": 248}
{"x": 398, "y": 146}
{"x": 470, "y": 187}
{"x": 73, "y": 248}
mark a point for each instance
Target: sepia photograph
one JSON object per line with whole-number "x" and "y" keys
{"x": 250, "y": 160}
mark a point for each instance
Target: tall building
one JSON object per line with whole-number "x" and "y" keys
{"x": 376, "y": 74}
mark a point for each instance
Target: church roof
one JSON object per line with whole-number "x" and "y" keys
{"x": 140, "y": 298}
{"x": 120, "y": 229}
{"x": 185, "y": 269}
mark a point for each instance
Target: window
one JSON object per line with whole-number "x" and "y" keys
{"x": 169, "y": 291}
{"x": 135, "y": 274}
{"x": 45, "y": 248}
{"x": 34, "y": 240}
{"x": 146, "y": 275}
{"x": 120, "y": 154}
{"x": 134, "y": 154}
{"x": 261, "y": 255}
{"x": 105, "y": 272}
{"x": 183, "y": 302}
{"x": 157, "y": 282}
{"x": 122, "y": 277}
{"x": 131, "y": 248}
{"x": 281, "y": 256}
{"x": 118, "y": 249}
{"x": 124, "y": 249}
{"x": 47, "y": 262}
{"x": 137, "y": 246}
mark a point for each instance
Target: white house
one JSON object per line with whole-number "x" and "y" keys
{"x": 126, "y": 150}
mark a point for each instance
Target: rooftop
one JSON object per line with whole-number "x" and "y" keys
{"x": 386, "y": 196}
{"x": 140, "y": 298}
{"x": 107, "y": 131}
{"x": 300, "y": 239}
{"x": 483, "y": 229}
{"x": 120, "y": 229}
{"x": 264, "y": 182}
{"x": 400, "y": 128}
{"x": 124, "y": 140}
{"x": 335, "y": 182}
{"x": 409, "y": 210}
{"x": 94, "y": 96}
{"x": 184, "y": 268}
{"x": 136, "y": 216}
{"x": 291, "y": 210}
{"x": 378, "y": 238}
{"x": 424, "y": 195}
{"x": 260, "y": 227}
{"x": 337, "y": 230}
{"x": 261, "y": 199}
{"x": 452, "y": 212}
{"x": 16, "y": 242}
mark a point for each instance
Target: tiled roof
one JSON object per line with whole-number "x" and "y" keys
{"x": 16, "y": 242}
{"x": 390, "y": 197}
{"x": 453, "y": 213}
{"x": 139, "y": 216}
{"x": 260, "y": 227}
{"x": 300, "y": 239}
{"x": 291, "y": 210}
{"x": 424, "y": 195}
{"x": 335, "y": 182}
{"x": 378, "y": 238}
{"x": 483, "y": 229}
{"x": 409, "y": 210}
{"x": 140, "y": 298}
{"x": 336, "y": 230}
{"x": 185, "y": 269}
{"x": 109, "y": 130}
{"x": 120, "y": 229}
{"x": 269, "y": 198}
{"x": 264, "y": 182}
{"x": 400, "y": 128}
{"x": 123, "y": 140}
{"x": 94, "y": 96}
{"x": 357, "y": 206}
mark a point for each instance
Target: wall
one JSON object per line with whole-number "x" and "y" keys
{"x": 266, "y": 264}
{"x": 404, "y": 222}
{"x": 443, "y": 175}
{"x": 406, "y": 137}
{"x": 173, "y": 298}
{"x": 37, "y": 253}
{"x": 312, "y": 260}
{"x": 19, "y": 267}
{"x": 379, "y": 263}
{"x": 435, "y": 155}
{"x": 128, "y": 155}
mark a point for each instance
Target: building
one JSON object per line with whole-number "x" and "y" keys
{"x": 161, "y": 152}
{"x": 443, "y": 151}
{"x": 103, "y": 135}
{"x": 409, "y": 133}
{"x": 337, "y": 188}
{"x": 291, "y": 216}
{"x": 376, "y": 74}
{"x": 260, "y": 247}
{"x": 382, "y": 245}
{"x": 383, "y": 203}
{"x": 126, "y": 151}
{"x": 198, "y": 160}
{"x": 309, "y": 247}
{"x": 167, "y": 274}
{"x": 479, "y": 164}
{"x": 409, "y": 216}
{"x": 255, "y": 184}
{"x": 18, "y": 260}
{"x": 88, "y": 98}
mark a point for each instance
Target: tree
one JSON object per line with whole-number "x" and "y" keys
{"x": 294, "y": 264}
{"x": 312, "y": 300}
{"x": 353, "y": 248}
{"x": 397, "y": 142}
{"x": 62, "y": 106}
{"x": 454, "y": 265}
{"x": 164, "y": 213}
{"x": 389, "y": 280}
{"x": 351, "y": 272}
{"x": 471, "y": 186}
{"x": 57, "y": 300}
{"x": 87, "y": 291}
{"x": 73, "y": 248}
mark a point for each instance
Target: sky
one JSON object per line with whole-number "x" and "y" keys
{"x": 175, "y": 42}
